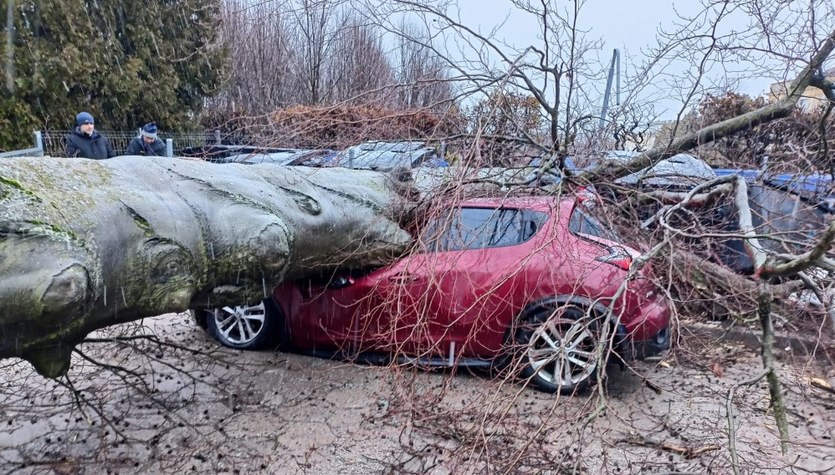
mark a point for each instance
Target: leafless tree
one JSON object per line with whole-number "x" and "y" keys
{"x": 258, "y": 37}
{"x": 360, "y": 70}
{"x": 422, "y": 77}
{"x": 318, "y": 23}
{"x": 320, "y": 53}
{"x": 556, "y": 73}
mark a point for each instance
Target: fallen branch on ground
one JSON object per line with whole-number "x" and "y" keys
{"x": 729, "y": 407}
{"x": 688, "y": 452}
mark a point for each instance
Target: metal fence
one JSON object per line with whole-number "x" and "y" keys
{"x": 53, "y": 143}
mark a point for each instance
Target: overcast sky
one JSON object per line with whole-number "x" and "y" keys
{"x": 630, "y": 26}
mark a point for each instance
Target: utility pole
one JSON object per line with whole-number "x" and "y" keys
{"x": 615, "y": 64}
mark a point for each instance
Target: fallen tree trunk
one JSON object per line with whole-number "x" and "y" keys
{"x": 85, "y": 244}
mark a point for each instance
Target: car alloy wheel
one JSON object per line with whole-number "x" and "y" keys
{"x": 560, "y": 349}
{"x": 245, "y": 327}
{"x": 240, "y": 325}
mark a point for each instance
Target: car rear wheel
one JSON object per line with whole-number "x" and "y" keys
{"x": 559, "y": 349}
{"x": 245, "y": 327}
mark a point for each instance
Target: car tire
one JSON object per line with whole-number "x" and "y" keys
{"x": 558, "y": 347}
{"x": 245, "y": 327}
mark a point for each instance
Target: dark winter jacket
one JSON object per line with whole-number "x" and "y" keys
{"x": 137, "y": 146}
{"x": 94, "y": 146}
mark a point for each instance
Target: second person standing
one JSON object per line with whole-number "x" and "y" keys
{"x": 147, "y": 143}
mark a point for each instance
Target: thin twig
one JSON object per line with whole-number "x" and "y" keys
{"x": 686, "y": 452}
{"x": 729, "y": 405}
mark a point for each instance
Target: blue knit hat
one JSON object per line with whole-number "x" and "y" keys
{"x": 84, "y": 118}
{"x": 150, "y": 130}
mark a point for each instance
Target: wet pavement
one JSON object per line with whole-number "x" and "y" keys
{"x": 179, "y": 403}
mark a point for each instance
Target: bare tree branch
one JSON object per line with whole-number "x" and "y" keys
{"x": 610, "y": 169}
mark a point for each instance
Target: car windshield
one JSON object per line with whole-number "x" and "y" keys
{"x": 382, "y": 160}
{"x": 278, "y": 158}
{"x": 396, "y": 147}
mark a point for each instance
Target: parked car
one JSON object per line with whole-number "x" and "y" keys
{"x": 550, "y": 176}
{"x": 251, "y": 154}
{"x": 787, "y": 210}
{"x": 384, "y": 156}
{"x": 217, "y": 153}
{"x": 289, "y": 157}
{"x": 814, "y": 188}
{"x": 680, "y": 171}
{"x": 492, "y": 280}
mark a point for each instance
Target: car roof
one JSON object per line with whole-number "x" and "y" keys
{"x": 385, "y": 155}
{"x": 679, "y": 170}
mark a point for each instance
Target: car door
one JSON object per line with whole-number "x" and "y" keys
{"x": 460, "y": 292}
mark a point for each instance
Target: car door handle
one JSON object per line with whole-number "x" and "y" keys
{"x": 404, "y": 278}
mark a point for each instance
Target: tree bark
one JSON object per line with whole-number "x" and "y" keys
{"x": 85, "y": 244}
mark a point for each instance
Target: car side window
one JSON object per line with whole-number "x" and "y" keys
{"x": 479, "y": 228}
{"x": 584, "y": 224}
{"x": 507, "y": 229}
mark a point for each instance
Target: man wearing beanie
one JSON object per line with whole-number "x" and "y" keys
{"x": 85, "y": 142}
{"x": 147, "y": 143}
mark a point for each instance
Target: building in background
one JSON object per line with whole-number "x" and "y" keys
{"x": 812, "y": 99}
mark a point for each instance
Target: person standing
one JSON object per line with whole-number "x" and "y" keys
{"x": 86, "y": 142}
{"x": 147, "y": 143}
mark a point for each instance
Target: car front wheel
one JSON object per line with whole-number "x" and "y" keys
{"x": 245, "y": 327}
{"x": 559, "y": 349}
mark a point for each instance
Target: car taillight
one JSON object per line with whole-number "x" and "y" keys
{"x": 617, "y": 257}
{"x": 586, "y": 196}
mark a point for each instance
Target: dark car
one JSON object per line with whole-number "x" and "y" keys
{"x": 251, "y": 155}
{"x": 290, "y": 157}
{"x": 385, "y": 156}
{"x": 547, "y": 176}
{"x": 217, "y": 153}
{"x": 530, "y": 280}
{"x": 788, "y": 211}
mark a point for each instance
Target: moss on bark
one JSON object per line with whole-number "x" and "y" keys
{"x": 85, "y": 244}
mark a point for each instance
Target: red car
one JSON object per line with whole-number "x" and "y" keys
{"x": 491, "y": 281}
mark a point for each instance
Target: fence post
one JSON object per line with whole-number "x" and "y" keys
{"x": 217, "y": 136}
{"x": 39, "y": 144}
{"x": 351, "y": 152}
{"x": 442, "y": 151}
{"x": 169, "y": 148}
